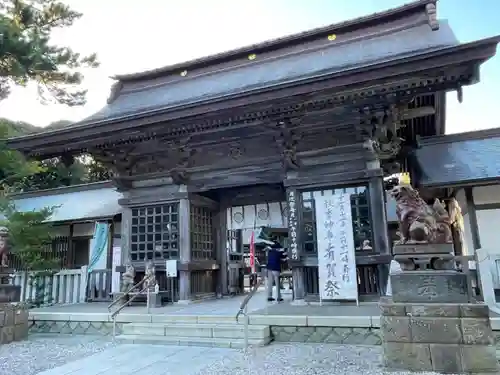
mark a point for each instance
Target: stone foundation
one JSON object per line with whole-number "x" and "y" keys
{"x": 13, "y": 323}
{"x": 74, "y": 327}
{"x": 327, "y": 335}
{"x": 448, "y": 338}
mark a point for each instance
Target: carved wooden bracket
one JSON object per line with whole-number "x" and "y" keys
{"x": 183, "y": 153}
{"x": 378, "y": 129}
{"x": 287, "y": 139}
{"x": 120, "y": 160}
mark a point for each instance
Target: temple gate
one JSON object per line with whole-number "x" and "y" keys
{"x": 328, "y": 111}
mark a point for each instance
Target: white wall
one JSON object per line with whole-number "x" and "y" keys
{"x": 247, "y": 218}
{"x": 487, "y": 220}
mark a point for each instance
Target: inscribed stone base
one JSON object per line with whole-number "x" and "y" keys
{"x": 154, "y": 300}
{"x": 13, "y": 323}
{"x": 429, "y": 286}
{"x": 447, "y": 337}
{"x": 413, "y": 249}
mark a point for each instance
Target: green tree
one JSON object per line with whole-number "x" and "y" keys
{"x": 27, "y": 55}
{"x": 30, "y": 241}
{"x": 14, "y": 168}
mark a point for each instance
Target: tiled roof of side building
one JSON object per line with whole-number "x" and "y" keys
{"x": 459, "y": 159}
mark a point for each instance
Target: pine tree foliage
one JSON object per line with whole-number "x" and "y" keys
{"x": 29, "y": 235}
{"x": 27, "y": 54}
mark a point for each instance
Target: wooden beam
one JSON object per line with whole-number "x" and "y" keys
{"x": 471, "y": 211}
{"x": 386, "y": 75}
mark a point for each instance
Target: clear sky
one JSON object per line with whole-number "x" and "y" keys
{"x": 131, "y": 36}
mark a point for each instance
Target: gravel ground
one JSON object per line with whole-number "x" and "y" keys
{"x": 40, "y": 353}
{"x": 304, "y": 359}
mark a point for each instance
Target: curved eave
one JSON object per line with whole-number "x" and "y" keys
{"x": 283, "y": 42}
{"x": 475, "y": 52}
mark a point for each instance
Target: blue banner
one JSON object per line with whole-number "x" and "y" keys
{"x": 99, "y": 244}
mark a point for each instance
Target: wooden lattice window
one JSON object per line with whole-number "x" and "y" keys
{"x": 155, "y": 233}
{"x": 361, "y": 220}
{"x": 202, "y": 233}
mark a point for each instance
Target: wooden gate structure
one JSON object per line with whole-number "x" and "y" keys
{"x": 335, "y": 107}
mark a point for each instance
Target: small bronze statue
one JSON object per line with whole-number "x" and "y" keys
{"x": 128, "y": 278}
{"x": 150, "y": 275}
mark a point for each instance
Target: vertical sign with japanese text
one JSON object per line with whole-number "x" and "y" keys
{"x": 336, "y": 256}
{"x": 292, "y": 223}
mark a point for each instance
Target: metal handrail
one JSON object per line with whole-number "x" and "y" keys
{"x": 244, "y": 309}
{"x": 122, "y": 306}
{"x": 127, "y": 292}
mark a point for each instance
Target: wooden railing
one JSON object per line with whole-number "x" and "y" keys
{"x": 202, "y": 284}
{"x": 99, "y": 286}
{"x": 63, "y": 287}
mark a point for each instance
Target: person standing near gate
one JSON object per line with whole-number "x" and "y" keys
{"x": 276, "y": 255}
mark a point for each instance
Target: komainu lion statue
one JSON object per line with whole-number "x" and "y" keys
{"x": 419, "y": 222}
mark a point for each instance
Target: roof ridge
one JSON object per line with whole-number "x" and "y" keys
{"x": 278, "y": 42}
{"x": 472, "y": 135}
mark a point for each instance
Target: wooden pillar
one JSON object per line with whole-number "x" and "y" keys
{"x": 293, "y": 202}
{"x": 471, "y": 212}
{"x": 70, "y": 261}
{"x": 221, "y": 249}
{"x": 125, "y": 234}
{"x": 378, "y": 213}
{"x": 184, "y": 251}
{"x": 109, "y": 250}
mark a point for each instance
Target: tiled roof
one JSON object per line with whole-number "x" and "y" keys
{"x": 75, "y": 205}
{"x": 331, "y": 58}
{"x": 298, "y": 38}
{"x": 460, "y": 159}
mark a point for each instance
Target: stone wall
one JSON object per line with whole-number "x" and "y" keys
{"x": 13, "y": 323}
{"x": 450, "y": 338}
{"x": 74, "y": 327}
{"x": 327, "y": 335}
{"x": 336, "y": 335}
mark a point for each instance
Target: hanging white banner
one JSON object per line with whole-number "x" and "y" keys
{"x": 336, "y": 255}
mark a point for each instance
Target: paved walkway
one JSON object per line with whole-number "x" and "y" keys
{"x": 142, "y": 359}
{"x": 289, "y": 359}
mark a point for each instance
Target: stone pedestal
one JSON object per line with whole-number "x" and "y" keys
{"x": 10, "y": 293}
{"x": 428, "y": 325}
{"x": 13, "y": 323}
{"x": 429, "y": 286}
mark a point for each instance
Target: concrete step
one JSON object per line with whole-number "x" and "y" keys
{"x": 198, "y": 330}
{"x": 191, "y": 341}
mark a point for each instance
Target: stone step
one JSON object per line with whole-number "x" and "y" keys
{"x": 199, "y": 330}
{"x": 191, "y": 341}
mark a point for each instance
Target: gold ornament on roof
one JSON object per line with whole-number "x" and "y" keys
{"x": 332, "y": 37}
{"x": 252, "y": 56}
{"x": 404, "y": 179}
{"x": 184, "y": 73}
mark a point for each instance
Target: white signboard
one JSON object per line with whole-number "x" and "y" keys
{"x": 116, "y": 260}
{"x": 336, "y": 257}
{"x": 171, "y": 267}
